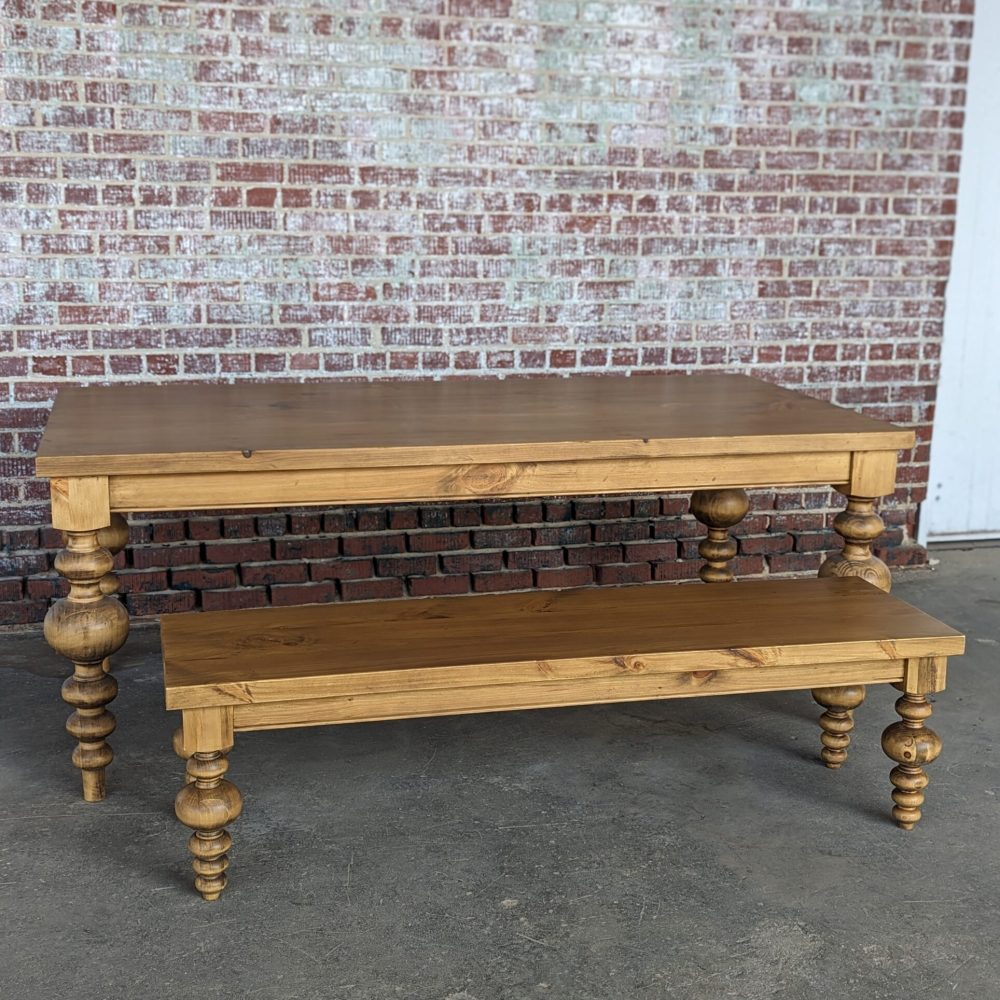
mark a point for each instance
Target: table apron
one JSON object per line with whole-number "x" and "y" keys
{"x": 270, "y": 488}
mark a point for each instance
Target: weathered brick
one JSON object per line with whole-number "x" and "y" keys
{"x": 263, "y": 574}
{"x": 621, "y": 531}
{"x": 149, "y": 556}
{"x": 438, "y": 541}
{"x": 306, "y": 548}
{"x": 657, "y": 551}
{"x": 342, "y": 569}
{"x": 501, "y": 538}
{"x": 371, "y": 590}
{"x": 374, "y": 544}
{"x": 204, "y": 578}
{"x": 472, "y": 562}
{"x": 564, "y": 578}
{"x": 284, "y": 595}
{"x": 237, "y": 551}
{"x": 534, "y": 558}
{"x": 233, "y": 600}
{"x": 439, "y": 586}
{"x": 143, "y": 605}
{"x": 492, "y": 582}
{"x": 405, "y": 565}
{"x": 568, "y": 534}
{"x": 593, "y": 555}
{"x": 613, "y": 574}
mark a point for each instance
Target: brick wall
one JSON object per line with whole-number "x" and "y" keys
{"x": 434, "y": 188}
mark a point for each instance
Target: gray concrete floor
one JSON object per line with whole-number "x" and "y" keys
{"x": 681, "y": 849}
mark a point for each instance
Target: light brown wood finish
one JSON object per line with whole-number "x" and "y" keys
{"x": 327, "y": 664}
{"x": 86, "y": 627}
{"x": 208, "y": 491}
{"x": 719, "y": 510}
{"x": 911, "y": 745}
{"x": 208, "y": 803}
{"x": 837, "y": 722}
{"x": 274, "y": 444}
{"x": 253, "y": 656}
{"x": 259, "y": 426}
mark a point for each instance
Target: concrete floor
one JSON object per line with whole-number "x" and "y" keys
{"x": 685, "y": 849}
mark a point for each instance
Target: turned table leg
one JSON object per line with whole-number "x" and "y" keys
{"x": 859, "y": 526}
{"x": 718, "y": 510}
{"x": 86, "y": 627}
{"x": 207, "y": 804}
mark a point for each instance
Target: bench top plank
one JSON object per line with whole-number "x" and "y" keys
{"x": 254, "y": 426}
{"x": 267, "y": 654}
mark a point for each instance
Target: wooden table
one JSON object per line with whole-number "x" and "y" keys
{"x": 108, "y": 451}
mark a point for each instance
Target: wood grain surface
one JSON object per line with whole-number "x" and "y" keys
{"x": 255, "y": 426}
{"x": 316, "y": 651}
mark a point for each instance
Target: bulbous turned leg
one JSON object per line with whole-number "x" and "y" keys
{"x": 837, "y": 721}
{"x": 718, "y": 510}
{"x": 207, "y": 804}
{"x": 911, "y": 744}
{"x": 86, "y": 627}
{"x": 859, "y": 526}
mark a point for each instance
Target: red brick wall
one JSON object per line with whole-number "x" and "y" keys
{"x": 468, "y": 187}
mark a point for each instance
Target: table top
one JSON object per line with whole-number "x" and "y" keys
{"x": 266, "y": 425}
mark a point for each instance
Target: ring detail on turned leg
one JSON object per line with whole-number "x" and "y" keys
{"x": 718, "y": 510}
{"x": 911, "y": 744}
{"x": 207, "y": 804}
{"x": 859, "y": 526}
{"x": 837, "y": 722}
{"x": 86, "y": 627}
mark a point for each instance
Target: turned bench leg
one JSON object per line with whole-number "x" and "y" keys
{"x": 837, "y": 722}
{"x": 911, "y": 745}
{"x": 208, "y": 802}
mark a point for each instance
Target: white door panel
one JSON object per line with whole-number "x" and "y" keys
{"x": 964, "y": 490}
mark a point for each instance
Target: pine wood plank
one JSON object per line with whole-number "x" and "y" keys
{"x": 418, "y": 703}
{"x": 258, "y": 426}
{"x": 212, "y": 490}
{"x": 268, "y": 654}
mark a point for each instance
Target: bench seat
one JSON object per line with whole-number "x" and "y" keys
{"x": 336, "y": 663}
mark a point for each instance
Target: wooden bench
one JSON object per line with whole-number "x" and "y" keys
{"x": 323, "y": 664}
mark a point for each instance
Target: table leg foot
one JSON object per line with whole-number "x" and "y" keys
{"x": 86, "y": 627}
{"x": 911, "y": 744}
{"x": 207, "y": 804}
{"x": 837, "y": 722}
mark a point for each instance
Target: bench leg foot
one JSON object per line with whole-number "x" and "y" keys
{"x": 207, "y": 804}
{"x": 718, "y": 510}
{"x": 837, "y": 722}
{"x": 911, "y": 744}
